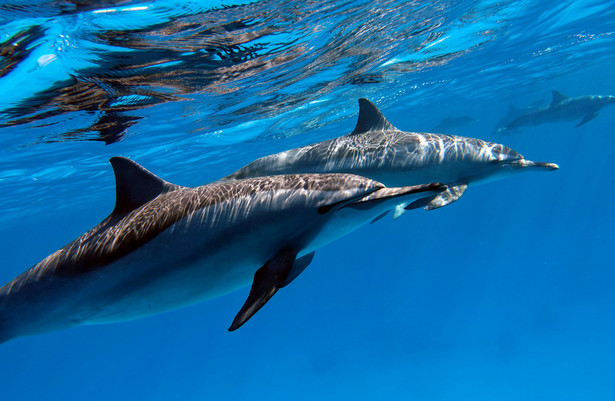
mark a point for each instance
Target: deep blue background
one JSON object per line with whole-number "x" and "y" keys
{"x": 506, "y": 294}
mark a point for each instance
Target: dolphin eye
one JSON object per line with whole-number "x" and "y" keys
{"x": 509, "y": 160}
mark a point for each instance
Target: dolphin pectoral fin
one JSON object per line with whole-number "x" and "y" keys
{"x": 587, "y": 118}
{"x": 400, "y": 210}
{"x": 385, "y": 194}
{"x": 446, "y": 197}
{"x": 268, "y": 279}
{"x": 419, "y": 203}
{"x": 298, "y": 267}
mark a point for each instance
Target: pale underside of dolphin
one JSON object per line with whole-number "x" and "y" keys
{"x": 165, "y": 246}
{"x": 378, "y": 150}
{"x": 562, "y": 108}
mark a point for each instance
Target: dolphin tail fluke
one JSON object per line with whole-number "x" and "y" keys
{"x": 502, "y": 126}
{"x": 278, "y": 272}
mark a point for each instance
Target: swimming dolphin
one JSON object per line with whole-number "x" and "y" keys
{"x": 562, "y": 108}
{"x": 378, "y": 150}
{"x": 452, "y": 123}
{"x": 165, "y": 246}
{"x": 512, "y": 114}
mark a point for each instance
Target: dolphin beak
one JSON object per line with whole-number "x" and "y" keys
{"x": 524, "y": 163}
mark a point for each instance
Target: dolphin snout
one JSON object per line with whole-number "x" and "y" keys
{"x": 532, "y": 164}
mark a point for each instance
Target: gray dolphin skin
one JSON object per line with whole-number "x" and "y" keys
{"x": 562, "y": 108}
{"x": 378, "y": 150}
{"x": 165, "y": 246}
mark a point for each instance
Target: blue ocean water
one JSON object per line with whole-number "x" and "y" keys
{"x": 506, "y": 294}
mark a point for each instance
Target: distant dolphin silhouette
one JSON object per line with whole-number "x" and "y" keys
{"x": 449, "y": 124}
{"x": 378, "y": 150}
{"x": 166, "y": 246}
{"x": 562, "y": 108}
{"x": 512, "y": 114}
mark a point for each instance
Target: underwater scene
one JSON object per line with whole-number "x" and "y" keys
{"x": 314, "y": 200}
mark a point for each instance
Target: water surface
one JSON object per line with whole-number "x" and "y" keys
{"x": 506, "y": 294}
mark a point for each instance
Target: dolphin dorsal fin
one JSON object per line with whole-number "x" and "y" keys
{"x": 134, "y": 185}
{"x": 371, "y": 119}
{"x": 557, "y": 98}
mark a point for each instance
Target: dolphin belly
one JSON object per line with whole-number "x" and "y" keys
{"x": 150, "y": 280}
{"x": 135, "y": 297}
{"x": 187, "y": 263}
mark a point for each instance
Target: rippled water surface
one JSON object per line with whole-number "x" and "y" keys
{"x": 506, "y": 294}
{"x": 166, "y": 76}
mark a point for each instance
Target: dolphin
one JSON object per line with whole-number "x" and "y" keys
{"x": 512, "y": 114}
{"x": 452, "y": 123}
{"x": 378, "y": 150}
{"x": 562, "y": 108}
{"x": 166, "y": 246}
